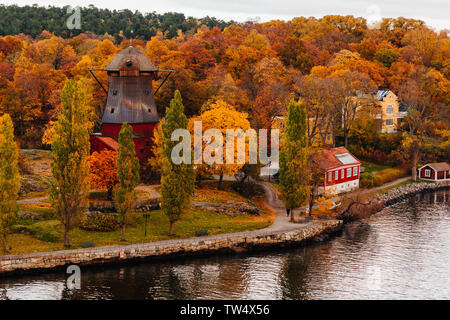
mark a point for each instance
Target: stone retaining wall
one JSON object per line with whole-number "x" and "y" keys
{"x": 410, "y": 190}
{"x": 193, "y": 246}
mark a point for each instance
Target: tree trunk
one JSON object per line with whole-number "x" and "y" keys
{"x": 220, "y": 182}
{"x": 292, "y": 216}
{"x": 109, "y": 196}
{"x": 66, "y": 235}
{"x": 122, "y": 236}
{"x": 346, "y": 138}
{"x": 414, "y": 159}
{"x": 5, "y": 249}
{"x": 171, "y": 228}
{"x": 311, "y": 203}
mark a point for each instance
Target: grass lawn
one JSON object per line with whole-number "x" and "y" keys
{"x": 404, "y": 183}
{"x": 47, "y": 234}
{"x": 370, "y": 167}
{"x": 157, "y": 229}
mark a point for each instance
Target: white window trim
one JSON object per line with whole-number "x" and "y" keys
{"x": 427, "y": 173}
{"x": 336, "y": 175}
{"x": 355, "y": 171}
{"x": 342, "y": 173}
{"x": 349, "y": 172}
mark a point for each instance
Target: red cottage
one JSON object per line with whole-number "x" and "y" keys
{"x": 341, "y": 170}
{"x": 130, "y": 99}
{"x": 435, "y": 171}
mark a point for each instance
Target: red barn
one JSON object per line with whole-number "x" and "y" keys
{"x": 130, "y": 99}
{"x": 341, "y": 170}
{"x": 435, "y": 171}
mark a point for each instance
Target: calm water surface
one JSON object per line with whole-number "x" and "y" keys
{"x": 401, "y": 253}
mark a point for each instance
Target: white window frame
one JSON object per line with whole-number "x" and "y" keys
{"x": 355, "y": 171}
{"x": 342, "y": 173}
{"x": 336, "y": 175}
{"x": 427, "y": 173}
{"x": 390, "y": 107}
{"x": 349, "y": 172}
{"x": 330, "y": 176}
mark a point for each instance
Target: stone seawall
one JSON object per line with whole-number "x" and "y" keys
{"x": 193, "y": 246}
{"x": 410, "y": 190}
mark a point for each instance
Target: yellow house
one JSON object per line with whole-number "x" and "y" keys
{"x": 390, "y": 112}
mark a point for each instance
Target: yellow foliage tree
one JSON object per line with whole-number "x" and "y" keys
{"x": 221, "y": 116}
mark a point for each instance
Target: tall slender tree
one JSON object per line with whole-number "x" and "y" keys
{"x": 177, "y": 180}
{"x": 9, "y": 177}
{"x": 294, "y": 158}
{"x": 128, "y": 173}
{"x": 70, "y": 150}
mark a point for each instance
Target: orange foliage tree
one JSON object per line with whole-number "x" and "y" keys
{"x": 103, "y": 170}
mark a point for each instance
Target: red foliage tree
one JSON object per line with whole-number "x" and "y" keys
{"x": 103, "y": 171}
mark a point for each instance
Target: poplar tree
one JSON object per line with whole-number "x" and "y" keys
{"x": 177, "y": 180}
{"x": 128, "y": 174}
{"x": 293, "y": 158}
{"x": 9, "y": 178}
{"x": 70, "y": 150}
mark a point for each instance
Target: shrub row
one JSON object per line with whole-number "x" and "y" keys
{"x": 370, "y": 180}
{"x": 102, "y": 222}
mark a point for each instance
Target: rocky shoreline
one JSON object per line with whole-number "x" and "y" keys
{"x": 410, "y": 190}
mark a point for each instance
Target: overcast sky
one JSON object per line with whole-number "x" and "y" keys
{"x": 435, "y": 13}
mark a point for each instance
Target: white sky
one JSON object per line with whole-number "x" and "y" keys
{"x": 436, "y": 13}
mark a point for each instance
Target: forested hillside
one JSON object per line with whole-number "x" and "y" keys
{"x": 32, "y": 20}
{"x": 255, "y": 67}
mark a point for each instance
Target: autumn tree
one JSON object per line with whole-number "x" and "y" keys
{"x": 103, "y": 170}
{"x": 425, "y": 96}
{"x": 177, "y": 180}
{"x": 70, "y": 150}
{"x": 128, "y": 174}
{"x": 221, "y": 117}
{"x": 294, "y": 158}
{"x": 9, "y": 178}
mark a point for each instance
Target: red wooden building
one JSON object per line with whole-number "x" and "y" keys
{"x": 341, "y": 170}
{"x": 130, "y": 99}
{"x": 435, "y": 171}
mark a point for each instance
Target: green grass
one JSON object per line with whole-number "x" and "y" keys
{"x": 404, "y": 183}
{"x": 370, "y": 167}
{"x": 47, "y": 235}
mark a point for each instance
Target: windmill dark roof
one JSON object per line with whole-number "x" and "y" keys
{"x": 138, "y": 58}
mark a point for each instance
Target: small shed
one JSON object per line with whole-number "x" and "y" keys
{"x": 438, "y": 171}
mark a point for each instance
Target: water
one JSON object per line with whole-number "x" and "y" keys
{"x": 401, "y": 253}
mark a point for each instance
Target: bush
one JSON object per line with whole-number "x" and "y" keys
{"x": 370, "y": 180}
{"x": 102, "y": 222}
{"x": 45, "y": 231}
{"x": 248, "y": 189}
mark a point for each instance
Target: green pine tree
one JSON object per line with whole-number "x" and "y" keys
{"x": 293, "y": 158}
{"x": 128, "y": 174}
{"x": 9, "y": 178}
{"x": 177, "y": 180}
{"x": 70, "y": 150}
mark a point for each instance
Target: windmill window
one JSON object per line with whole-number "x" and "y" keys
{"x": 146, "y": 92}
{"x": 147, "y": 143}
{"x": 149, "y": 110}
{"x": 112, "y": 110}
{"x": 114, "y": 92}
{"x": 142, "y": 150}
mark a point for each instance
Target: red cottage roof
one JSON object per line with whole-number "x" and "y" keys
{"x": 439, "y": 166}
{"x": 110, "y": 142}
{"x": 336, "y": 157}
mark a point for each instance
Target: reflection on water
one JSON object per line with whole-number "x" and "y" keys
{"x": 402, "y": 252}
